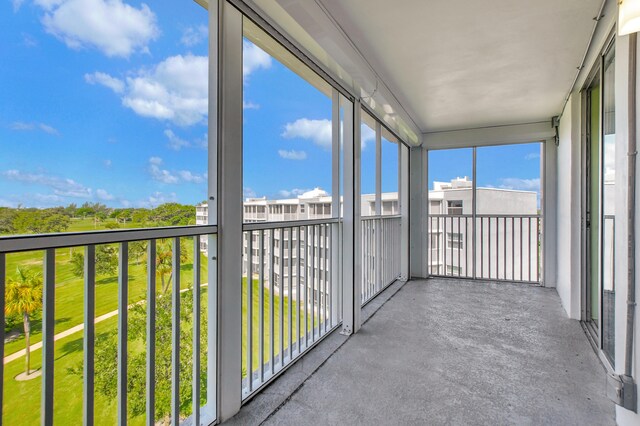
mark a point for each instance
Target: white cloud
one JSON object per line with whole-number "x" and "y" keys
{"x": 318, "y": 131}
{"x": 248, "y": 192}
{"x": 187, "y": 176}
{"x": 23, "y": 126}
{"x": 111, "y": 26}
{"x": 292, "y": 193}
{"x": 520, "y": 184}
{"x": 28, "y": 40}
{"x": 532, "y": 156}
{"x": 249, "y": 105}
{"x": 165, "y": 176}
{"x": 63, "y": 187}
{"x": 175, "y": 90}
{"x": 103, "y": 195}
{"x": 253, "y": 58}
{"x": 16, "y": 5}
{"x": 194, "y": 35}
{"x": 292, "y": 154}
{"x": 367, "y": 134}
{"x": 156, "y": 199}
{"x": 106, "y": 80}
{"x": 175, "y": 142}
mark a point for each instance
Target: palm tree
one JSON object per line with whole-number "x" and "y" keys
{"x": 24, "y": 297}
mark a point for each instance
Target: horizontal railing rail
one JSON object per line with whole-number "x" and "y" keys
{"x": 292, "y": 294}
{"x": 381, "y": 263}
{"x": 171, "y": 314}
{"x": 505, "y": 247}
{"x": 29, "y": 242}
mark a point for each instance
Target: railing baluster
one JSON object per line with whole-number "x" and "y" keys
{"x": 249, "y": 346}
{"x": 513, "y": 248}
{"x": 175, "y": 334}
{"x": 313, "y": 282}
{"x": 123, "y": 299}
{"x": 3, "y": 278}
{"x": 504, "y": 261}
{"x": 281, "y": 293}
{"x": 299, "y": 277}
{"x": 272, "y": 276}
{"x": 151, "y": 332}
{"x": 538, "y": 248}
{"x": 290, "y": 298}
{"x": 325, "y": 241}
{"x": 195, "y": 393}
{"x": 306, "y": 286}
{"x": 261, "y": 303}
{"x": 529, "y": 250}
{"x": 330, "y": 278}
{"x": 89, "y": 333}
{"x": 481, "y": 247}
{"x": 521, "y": 252}
{"x": 459, "y": 238}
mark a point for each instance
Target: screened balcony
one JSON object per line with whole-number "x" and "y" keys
{"x": 359, "y": 212}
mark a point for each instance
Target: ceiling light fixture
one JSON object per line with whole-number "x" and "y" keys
{"x": 628, "y": 16}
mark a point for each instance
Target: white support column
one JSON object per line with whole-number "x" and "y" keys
{"x": 419, "y": 243}
{"x": 336, "y": 242}
{"x": 229, "y": 203}
{"x": 209, "y": 413}
{"x": 403, "y": 197}
{"x": 549, "y": 174}
{"x": 352, "y": 259}
{"x": 378, "y": 199}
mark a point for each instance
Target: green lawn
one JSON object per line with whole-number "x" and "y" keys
{"x": 22, "y": 399}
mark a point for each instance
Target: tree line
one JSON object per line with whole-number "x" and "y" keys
{"x": 58, "y": 219}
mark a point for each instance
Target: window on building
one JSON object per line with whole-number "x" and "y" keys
{"x": 454, "y": 240}
{"x": 454, "y": 207}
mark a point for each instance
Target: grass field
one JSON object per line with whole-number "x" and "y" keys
{"x": 21, "y": 403}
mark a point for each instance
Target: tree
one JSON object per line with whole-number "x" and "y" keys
{"x": 7, "y": 216}
{"x": 106, "y": 261}
{"x": 106, "y": 359}
{"x": 24, "y": 297}
{"x": 164, "y": 261}
{"x": 35, "y": 221}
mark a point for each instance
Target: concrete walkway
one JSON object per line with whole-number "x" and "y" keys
{"x": 457, "y": 352}
{"x": 74, "y": 329}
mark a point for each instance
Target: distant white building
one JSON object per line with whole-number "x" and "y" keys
{"x": 506, "y": 235}
{"x": 449, "y": 229}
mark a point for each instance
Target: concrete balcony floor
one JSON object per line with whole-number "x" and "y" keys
{"x": 444, "y": 351}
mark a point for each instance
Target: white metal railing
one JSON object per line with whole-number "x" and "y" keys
{"x": 496, "y": 247}
{"x": 381, "y": 266}
{"x": 291, "y": 301}
{"x": 89, "y": 241}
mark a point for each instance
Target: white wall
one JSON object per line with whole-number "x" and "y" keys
{"x": 624, "y": 417}
{"x": 568, "y": 209}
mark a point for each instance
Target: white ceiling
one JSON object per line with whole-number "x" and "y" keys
{"x": 457, "y": 64}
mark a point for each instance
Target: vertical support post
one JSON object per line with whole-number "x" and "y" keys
{"x": 175, "y": 334}
{"x": 210, "y": 413}
{"x": 89, "y": 333}
{"x": 151, "y": 333}
{"x": 474, "y": 211}
{"x": 352, "y": 250}
{"x": 48, "y": 323}
{"x": 418, "y": 211}
{"x": 195, "y": 384}
{"x": 229, "y": 139}
{"x": 123, "y": 315}
{"x": 378, "y": 195}
{"x": 3, "y": 278}
{"x": 403, "y": 196}
{"x": 336, "y": 211}
{"x": 549, "y": 205}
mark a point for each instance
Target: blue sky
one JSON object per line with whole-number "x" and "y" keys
{"x": 107, "y": 102}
